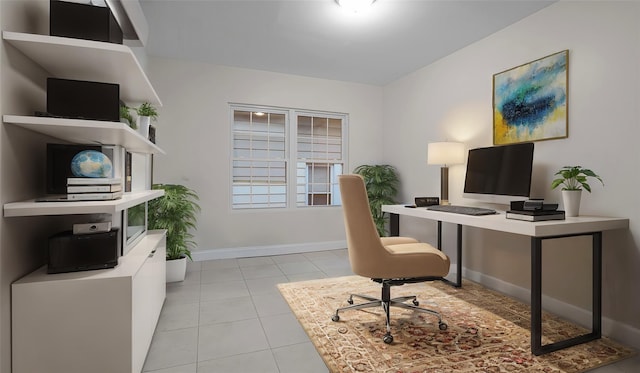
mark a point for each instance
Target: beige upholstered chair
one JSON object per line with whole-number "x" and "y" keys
{"x": 390, "y": 261}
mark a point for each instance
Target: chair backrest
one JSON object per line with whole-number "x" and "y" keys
{"x": 366, "y": 252}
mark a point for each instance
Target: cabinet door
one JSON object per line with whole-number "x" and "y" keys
{"x": 74, "y": 326}
{"x": 149, "y": 288}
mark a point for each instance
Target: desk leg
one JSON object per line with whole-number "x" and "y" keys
{"x": 394, "y": 225}
{"x": 597, "y": 285}
{"x": 536, "y": 297}
{"x": 458, "y": 282}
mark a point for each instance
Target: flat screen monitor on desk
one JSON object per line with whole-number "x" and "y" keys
{"x": 499, "y": 174}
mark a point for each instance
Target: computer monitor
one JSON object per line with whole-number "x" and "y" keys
{"x": 499, "y": 174}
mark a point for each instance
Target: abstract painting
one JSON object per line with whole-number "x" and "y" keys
{"x": 530, "y": 101}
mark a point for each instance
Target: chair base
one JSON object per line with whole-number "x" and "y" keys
{"x": 387, "y": 302}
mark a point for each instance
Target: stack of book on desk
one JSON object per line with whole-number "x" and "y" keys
{"x": 534, "y": 210}
{"x": 93, "y": 189}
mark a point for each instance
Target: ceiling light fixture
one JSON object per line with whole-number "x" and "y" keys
{"x": 355, "y": 6}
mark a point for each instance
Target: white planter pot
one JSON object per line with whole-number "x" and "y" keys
{"x": 571, "y": 201}
{"x": 143, "y": 126}
{"x": 176, "y": 269}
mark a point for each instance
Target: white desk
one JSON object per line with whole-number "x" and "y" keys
{"x": 538, "y": 231}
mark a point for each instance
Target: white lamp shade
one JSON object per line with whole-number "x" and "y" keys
{"x": 445, "y": 153}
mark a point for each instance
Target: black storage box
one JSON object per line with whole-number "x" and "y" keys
{"x": 82, "y": 252}
{"x": 83, "y": 21}
{"x": 81, "y": 99}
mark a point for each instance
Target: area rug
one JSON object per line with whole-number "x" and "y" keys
{"x": 488, "y": 332}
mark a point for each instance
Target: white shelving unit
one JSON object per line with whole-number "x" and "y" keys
{"x": 80, "y": 321}
{"x": 94, "y": 61}
{"x": 69, "y": 58}
{"x": 87, "y": 132}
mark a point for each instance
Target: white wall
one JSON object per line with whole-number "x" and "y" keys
{"x": 194, "y": 130}
{"x": 22, "y": 158}
{"x": 452, "y": 99}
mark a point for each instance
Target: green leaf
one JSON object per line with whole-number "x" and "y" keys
{"x": 574, "y": 178}
{"x": 176, "y": 212}
{"x": 381, "y": 182}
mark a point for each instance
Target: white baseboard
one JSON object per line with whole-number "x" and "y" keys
{"x": 615, "y": 330}
{"x": 253, "y": 251}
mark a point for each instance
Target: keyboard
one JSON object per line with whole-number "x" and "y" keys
{"x": 466, "y": 210}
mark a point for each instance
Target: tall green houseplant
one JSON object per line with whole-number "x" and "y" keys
{"x": 176, "y": 212}
{"x": 382, "y": 183}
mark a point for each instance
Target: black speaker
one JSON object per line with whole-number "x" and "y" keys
{"x": 83, "y": 252}
{"x": 83, "y": 21}
{"x": 80, "y": 99}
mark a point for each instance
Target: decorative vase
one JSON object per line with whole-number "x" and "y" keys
{"x": 176, "y": 269}
{"x": 143, "y": 126}
{"x": 571, "y": 200}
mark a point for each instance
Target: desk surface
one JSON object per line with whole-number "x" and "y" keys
{"x": 498, "y": 222}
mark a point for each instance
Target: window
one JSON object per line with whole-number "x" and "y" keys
{"x": 319, "y": 160}
{"x": 265, "y": 146}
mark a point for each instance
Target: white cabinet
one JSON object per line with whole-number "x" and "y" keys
{"x": 94, "y": 321}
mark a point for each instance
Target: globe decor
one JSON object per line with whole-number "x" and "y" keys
{"x": 91, "y": 163}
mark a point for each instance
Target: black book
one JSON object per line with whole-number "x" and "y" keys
{"x": 535, "y": 215}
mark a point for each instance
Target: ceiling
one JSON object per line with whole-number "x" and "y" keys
{"x": 317, "y": 38}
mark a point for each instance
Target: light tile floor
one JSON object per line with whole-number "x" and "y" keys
{"x": 228, "y": 316}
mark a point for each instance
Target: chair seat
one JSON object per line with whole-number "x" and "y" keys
{"x": 397, "y": 240}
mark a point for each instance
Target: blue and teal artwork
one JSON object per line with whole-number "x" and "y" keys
{"x": 91, "y": 163}
{"x": 530, "y": 101}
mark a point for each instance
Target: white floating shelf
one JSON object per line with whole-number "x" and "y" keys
{"x": 33, "y": 208}
{"x": 87, "y": 132}
{"x": 79, "y": 59}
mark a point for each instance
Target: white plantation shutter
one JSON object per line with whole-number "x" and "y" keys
{"x": 319, "y": 159}
{"x": 259, "y": 177}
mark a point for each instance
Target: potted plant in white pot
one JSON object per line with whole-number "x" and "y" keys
{"x": 176, "y": 212}
{"x": 573, "y": 179}
{"x": 146, "y": 114}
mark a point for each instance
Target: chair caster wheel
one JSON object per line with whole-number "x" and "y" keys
{"x": 388, "y": 339}
{"x": 416, "y": 303}
{"x": 350, "y": 301}
{"x": 335, "y": 318}
{"x": 442, "y": 326}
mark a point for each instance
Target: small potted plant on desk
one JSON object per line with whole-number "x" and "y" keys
{"x": 175, "y": 212}
{"x": 573, "y": 179}
{"x": 146, "y": 114}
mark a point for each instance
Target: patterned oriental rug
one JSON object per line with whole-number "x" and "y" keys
{"x": 488, "y": 332}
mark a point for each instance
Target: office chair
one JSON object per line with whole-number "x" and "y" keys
{"x": 389, "y": 261}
